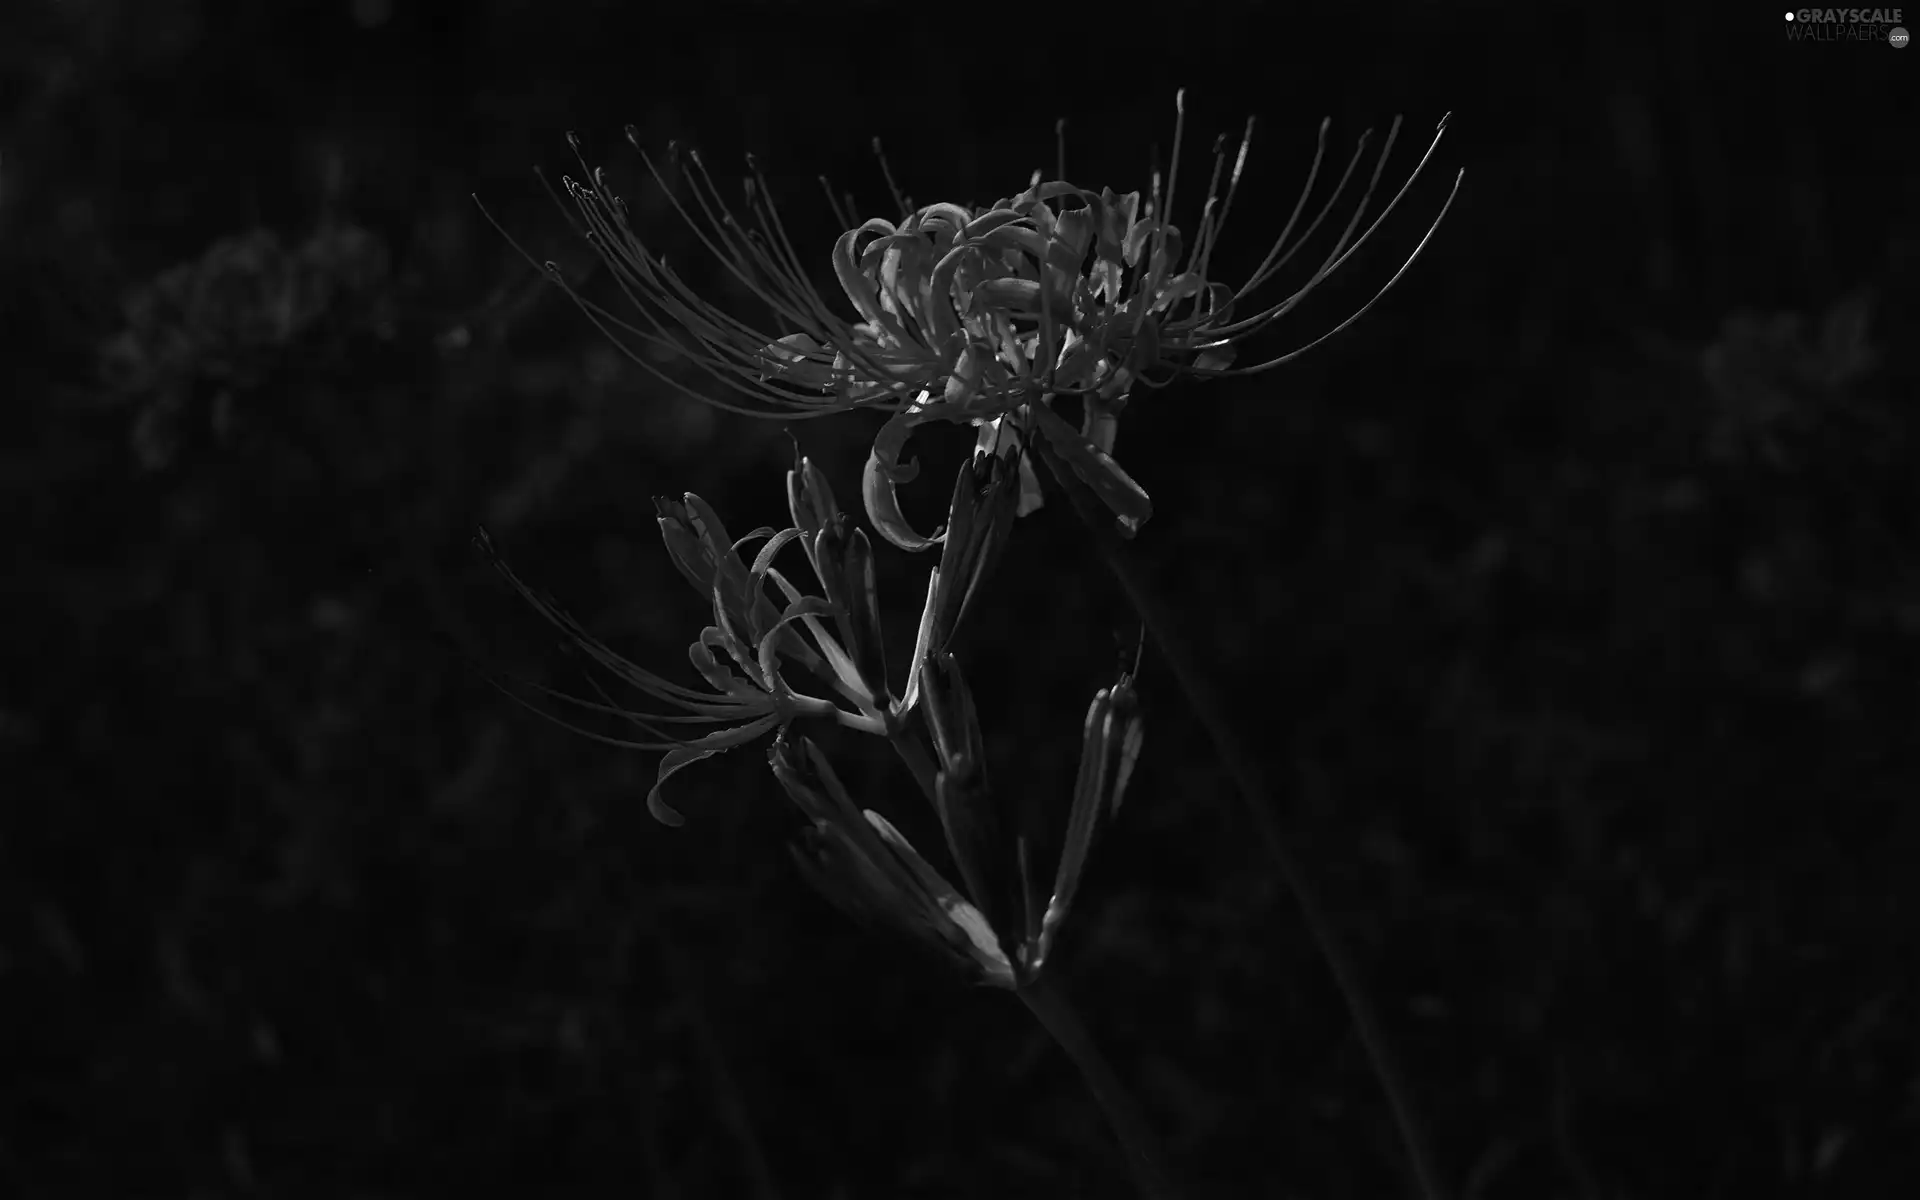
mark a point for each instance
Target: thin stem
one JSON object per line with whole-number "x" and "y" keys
{"x": 1145, "y": 1158}
{"x": 1205, "y": 702}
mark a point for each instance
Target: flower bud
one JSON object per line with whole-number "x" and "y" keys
{"x": 844, "y": 563}
{"x": 811, "y": 502}
{"x": 864, "y": 865}
{"x": 1110, "y": 744}
{"x": 986, "y": 493}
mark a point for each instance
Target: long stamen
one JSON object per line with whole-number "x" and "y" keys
{"x": 1226, "y": 204}
{"x": 731, "y": 349}
{"x": 1275, "y": 260}
{"x": 1404, "y": 267}
{"x": 1259, "y": 320}
{"x": 811, "y": 310}
{"x": 833, "y": 202}
{"x": 639, "y": 277}
{"x": 906, "y": 209}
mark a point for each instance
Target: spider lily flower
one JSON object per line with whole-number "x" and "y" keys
{"x": 971, "y": 314}
{"x": 860, "y": 861}
{"x": 741, "y": 655}
{"x": 1072, "y": 292}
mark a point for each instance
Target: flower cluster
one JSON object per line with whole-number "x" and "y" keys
{"x": 995, "y": 923}
{"x": 984, "y": 316}
{"x": 743, "y": 655}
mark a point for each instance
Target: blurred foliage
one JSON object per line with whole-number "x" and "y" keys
{"x": 1572, "y": 595}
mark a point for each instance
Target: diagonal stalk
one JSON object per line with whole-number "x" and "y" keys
{"x": 1160, "y": 623}
{"x": 1145, "y": 1158}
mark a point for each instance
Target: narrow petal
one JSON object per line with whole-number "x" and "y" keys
{"x": 922, "y": 642}
{"x": 1095, "y": 468}
{"x": 883, "y": 474}
{"x": 862, "y": 600}
{"x": 765, "y": 558}
{"x": 693, "y": 752}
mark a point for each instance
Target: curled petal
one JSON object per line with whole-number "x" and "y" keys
{"x": 775, "y": 639}
{"x": 964, "y": 382}
{"x": 692, "y": 752}
{"x": 884, "y": 472}
{"x": 861, "y": 290}
{"x": 763, "y": 560}
{"x": 718, "y": 677}
{"x": 987, "y": 222}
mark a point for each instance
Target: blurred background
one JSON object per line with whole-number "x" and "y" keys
{"x": 1571, "y": 597}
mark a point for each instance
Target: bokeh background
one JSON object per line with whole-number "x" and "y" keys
{"x": 1570, "y": 598}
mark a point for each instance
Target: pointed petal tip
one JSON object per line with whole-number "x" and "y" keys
{"x": 662, "y": 811}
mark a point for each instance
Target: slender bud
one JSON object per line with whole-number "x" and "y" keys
{"x": 810, "y": 499}
{"x": 864, "y": 865}
{"x": 1110, "y": 744}
{"x": 986, "y": 493}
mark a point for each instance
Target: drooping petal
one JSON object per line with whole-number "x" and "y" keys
{"x": 773, "y": 641}
{"x": 692, "y": 752}
{"x": 763, "y": 560}
{"x": 1096, "y": 468}
{"x": 836, "y": 668}
{"x": 884, "y": 473}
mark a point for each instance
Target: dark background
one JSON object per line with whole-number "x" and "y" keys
{"x": 1570, "y": 597}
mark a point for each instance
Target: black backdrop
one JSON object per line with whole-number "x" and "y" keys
{"x": 1571, "y": 597}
